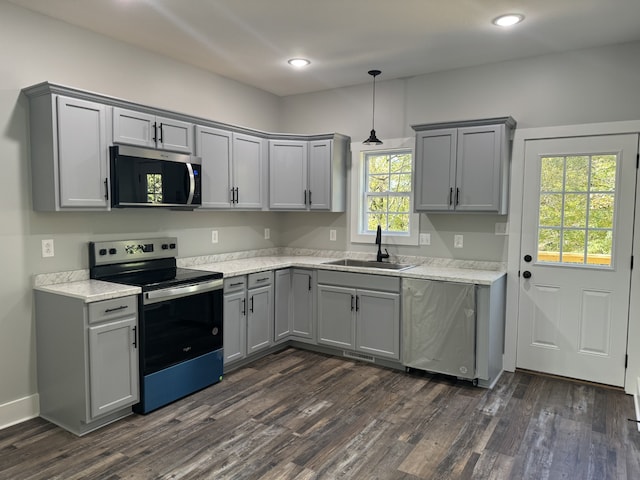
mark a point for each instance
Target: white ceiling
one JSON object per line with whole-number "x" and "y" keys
{"x": 251, "y": 40}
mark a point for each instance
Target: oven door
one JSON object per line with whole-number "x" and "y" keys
{"x": 179, "y": 324}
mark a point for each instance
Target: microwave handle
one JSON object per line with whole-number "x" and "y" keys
{"x": 192, "y": 184}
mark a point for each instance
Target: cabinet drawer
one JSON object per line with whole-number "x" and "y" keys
{"x": 114, "y": 308}
{"x": 234, "y": 284}
{"x": 359, "y": 280}
{"x": 260, "y": 279}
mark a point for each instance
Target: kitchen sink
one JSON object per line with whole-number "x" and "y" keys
{"x": 349, "y": 262}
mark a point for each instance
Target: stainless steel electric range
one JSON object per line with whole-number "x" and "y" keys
{"x": 180, "y": 320}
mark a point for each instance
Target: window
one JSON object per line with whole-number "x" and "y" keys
{"x": 577, "y": 205}
{"x": 154, "y": 188}
{"x": 382, "y": 180}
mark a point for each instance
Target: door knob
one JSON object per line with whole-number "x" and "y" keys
{"x": 527, "y": 258}
{"x": 526, "y": 274}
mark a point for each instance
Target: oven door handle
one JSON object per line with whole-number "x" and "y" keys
{"x": 156, "y": 296}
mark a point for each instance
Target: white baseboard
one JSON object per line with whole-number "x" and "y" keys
{"x": 19, "y": 410}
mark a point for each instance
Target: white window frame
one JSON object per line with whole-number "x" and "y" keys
{"x": 357, "y": 232}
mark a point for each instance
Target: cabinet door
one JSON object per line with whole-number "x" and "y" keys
{"x": 336, "y": 309}
{"x": 302, "y": 303}
{"x": 283, "y": 302}
{"x": 113, "y": 365}
{"x": 174, "y": 135}
{"x": 234, "y": 330}
{"x": 478, "y": 175}
{"x": 435, "y": 170}
{"x": 82, "y": 153}
{"x": 288, "y": 188}
{"x": 378, "y": 323}
{"x": 214, "y": 147}
{"x": 248, "y": 170}
{"x": 134, "y": 128}
{"x": 320, "y": 153}
{"x": 260, "y": 319}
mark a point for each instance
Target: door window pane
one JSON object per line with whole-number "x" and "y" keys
{"x": 577, "y": 209}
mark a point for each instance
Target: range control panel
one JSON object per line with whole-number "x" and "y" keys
{"x": 121, "y": 251}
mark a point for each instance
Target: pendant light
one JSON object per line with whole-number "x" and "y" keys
{"x": 372, "y": 136}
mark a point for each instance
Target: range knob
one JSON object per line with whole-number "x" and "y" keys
{"x": 112, "y": 251}
{"x": 102, "y": 251}
{"x": 172, "y": 246}
{"x": 165, "y": 246}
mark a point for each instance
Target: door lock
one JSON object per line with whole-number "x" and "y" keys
{"x": 526, "y": 274}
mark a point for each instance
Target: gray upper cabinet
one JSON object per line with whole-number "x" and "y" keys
{"x": 141, "y": 129}
{"x": 233, "y": 169}
{"x": 308, "y": 174}
{"x": 463, "y": 166}
{"x": 288, "y": 177}
{"x": 69, "y": 152}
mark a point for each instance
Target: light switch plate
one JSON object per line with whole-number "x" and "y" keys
{"x": 214, "y": 236}
{"x": 332, "y": 235}
{"x": 267, "y": 233}
{"x": 425, "y": 239}
{"x": 458, "y": 241}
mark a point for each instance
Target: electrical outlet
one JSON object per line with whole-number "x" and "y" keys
{"x": 47, "y": 248}
{"x": 425, "y": 239}
{"x": 502, "y": 228}
{"x": 458, "y": 241}
{"x": 332, "y": 235}
{"x": 267, "y": 233}
{"x": 214, "y": 236}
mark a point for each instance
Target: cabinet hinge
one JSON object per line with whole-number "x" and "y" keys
{"x": 626, "y": 360}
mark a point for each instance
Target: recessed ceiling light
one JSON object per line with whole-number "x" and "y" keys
{"x": 298, "y": 62}
{"x": 508, "y": 20}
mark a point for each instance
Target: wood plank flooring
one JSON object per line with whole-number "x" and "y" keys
{"x": 302, "y": 415}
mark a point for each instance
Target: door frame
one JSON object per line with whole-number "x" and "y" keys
{"x": 632, "y": 375}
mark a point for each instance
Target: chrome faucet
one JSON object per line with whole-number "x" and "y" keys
{"x": 381, "y": 255}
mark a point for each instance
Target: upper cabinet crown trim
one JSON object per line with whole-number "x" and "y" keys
{"x": 509, "y": 122}
{"x": 47, "y": 88}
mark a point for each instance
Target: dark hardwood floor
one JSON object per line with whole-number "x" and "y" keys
{"x": 302, "y": 415}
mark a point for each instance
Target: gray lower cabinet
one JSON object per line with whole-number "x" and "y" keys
{"x": 69, "y": 152}
{"x": 359, "y": 312}
{"x": 87, "y": 360}
{"x": 294, "y": 301}
{"x": 248, "y": 315}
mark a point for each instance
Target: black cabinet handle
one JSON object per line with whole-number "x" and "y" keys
{"x": 232, "y": 195}
{"x": 457, "y": 196}
{"x": 155, "y": 132}
{"x": 251, "y": 307}
{"x": 305, "y": 197}
{"x": 309, "y": 197}
{"x": 121, "y": 307}
{"x": 237, "y": 284}
{"x": 161, "y": 133}
{"x": 352, "y": 303}
{"x": 309, "y": 282}
{"x": 106, "y": 189}
{"x": 237, "y": 198}
{"x": 244, "y": 306}
{"x": 264, "y": 279}
{"x": 451, "y": 196}
{"x": 135, "y": 337}
{"x": 357, "y": 303}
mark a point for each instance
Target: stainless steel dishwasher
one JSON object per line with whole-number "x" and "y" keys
{"x": 439, "y": 327}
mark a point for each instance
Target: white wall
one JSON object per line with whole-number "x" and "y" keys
{"x": 34, "y": 49}
{"x": 587, "y": 86}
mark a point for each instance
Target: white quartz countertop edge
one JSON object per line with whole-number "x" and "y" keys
{"x": 246, "y": 266}
{"x": 90, "y": 290}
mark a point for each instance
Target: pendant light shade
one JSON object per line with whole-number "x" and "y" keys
{"x": 373, "y": 139}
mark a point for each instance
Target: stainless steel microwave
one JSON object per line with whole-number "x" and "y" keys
{"x": 143, "y": 177}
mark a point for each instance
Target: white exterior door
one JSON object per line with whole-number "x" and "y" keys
{"x": 575, "y": 265}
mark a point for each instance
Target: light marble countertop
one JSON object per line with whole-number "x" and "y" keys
{"x": 245, "y": 266}
{"x": 90, "y": 290}
{"x": 76, "y": 283}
